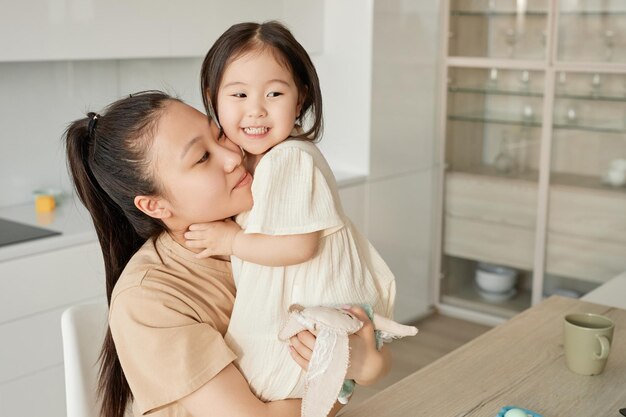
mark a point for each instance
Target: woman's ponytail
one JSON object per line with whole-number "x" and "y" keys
{"x": 106, "y": 156}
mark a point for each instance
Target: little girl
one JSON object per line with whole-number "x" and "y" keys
{"x": 296, "y": 245}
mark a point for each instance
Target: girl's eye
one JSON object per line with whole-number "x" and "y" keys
{"x": 204, "y": 158}
{"x": 239, "y": 95}
{"x": 274, "y": 94}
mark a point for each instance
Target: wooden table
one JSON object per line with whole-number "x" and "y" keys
{"x": 521, "y": 363}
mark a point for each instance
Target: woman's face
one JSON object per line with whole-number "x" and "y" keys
{"x": 202, "y": 178}
{"x": 257, "y": 101}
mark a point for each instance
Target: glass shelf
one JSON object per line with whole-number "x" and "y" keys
{"x": 600, "y": 13}
{"x": 587, "y": 182}
{"x": 495, "y": 91}
{"x": 494, "y": 13}
{"x": 593, "y": 97}
{"x": 460, "y": 290}
{"x": 503, "y": 119}
{"x": 598, "y": 126}
{"x": 468, "y": 297}
{"x": 526, "y": 93}
{"x": 540, "y": 13}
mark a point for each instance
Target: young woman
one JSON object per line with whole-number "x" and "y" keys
{"x": 147, "y": 168}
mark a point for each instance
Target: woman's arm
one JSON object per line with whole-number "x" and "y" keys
{"x": 228, "y": 394}
{"x": 227, "y": 238}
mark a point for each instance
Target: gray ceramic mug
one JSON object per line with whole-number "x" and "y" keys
{"x": 588, "y": 340}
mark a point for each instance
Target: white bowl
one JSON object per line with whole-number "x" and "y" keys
{"x": 496, "y": 297}
{"x": 495, "y": 278}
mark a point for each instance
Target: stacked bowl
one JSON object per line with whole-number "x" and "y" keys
{"x": 495, "y": 283}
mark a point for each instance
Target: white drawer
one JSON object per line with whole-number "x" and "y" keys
{"x": 40, "y": 394}
{"x": 49, "y": 280}
{"x": 30, "y": 344}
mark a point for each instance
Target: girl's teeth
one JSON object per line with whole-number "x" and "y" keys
{"x": 255, "y": 130}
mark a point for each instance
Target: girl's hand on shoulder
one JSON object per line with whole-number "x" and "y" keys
{"x": 367, "y": 364}
{"x": 215, "y": 238}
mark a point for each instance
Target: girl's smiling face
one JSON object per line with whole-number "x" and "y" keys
{"x": 202, "y": 178}
{"x": 257, "y": 101}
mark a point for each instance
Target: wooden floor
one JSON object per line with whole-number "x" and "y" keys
{"x": 437, "y": 336}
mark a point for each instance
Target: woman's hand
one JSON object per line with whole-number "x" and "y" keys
{"x": 215, "y": 238}
{"x": 367, "y": 364}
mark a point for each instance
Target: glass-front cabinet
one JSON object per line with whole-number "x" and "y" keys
{"x": 533, "y": 184}
{"x": 586, "y": 235}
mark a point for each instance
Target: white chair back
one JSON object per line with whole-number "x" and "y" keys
{"x": 83, "y": 328}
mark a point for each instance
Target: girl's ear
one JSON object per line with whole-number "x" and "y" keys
{"x": 155, "y": 207}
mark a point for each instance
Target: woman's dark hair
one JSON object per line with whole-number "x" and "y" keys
{"x": 107, "y": 155}
{"x": 246, "y": 37}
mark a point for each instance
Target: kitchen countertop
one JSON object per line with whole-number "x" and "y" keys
{"x": 73, "y": 221}
{"x": 70, "y": 218}
{"x": 519, "y": 363}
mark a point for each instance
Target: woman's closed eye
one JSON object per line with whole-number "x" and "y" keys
{"x": 205, "y": 157}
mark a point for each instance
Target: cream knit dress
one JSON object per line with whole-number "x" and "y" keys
{"x": 295, "y": 192}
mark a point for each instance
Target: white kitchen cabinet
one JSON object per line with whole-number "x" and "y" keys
{"x": 353, "y": 199}
{"x": 39, "y": 394}
{"x": 40, "y": 30}
{"x": 532, "y": 117}
{"x": 37, "y": 289}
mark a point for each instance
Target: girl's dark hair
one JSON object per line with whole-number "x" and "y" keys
{"x": 107, "y": 155}
{"x": 246, "y": 37}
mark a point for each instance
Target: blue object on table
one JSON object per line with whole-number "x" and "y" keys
{"x": 504, "y": 409}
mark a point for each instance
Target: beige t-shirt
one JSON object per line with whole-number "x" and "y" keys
{"x": 168, "y": 315}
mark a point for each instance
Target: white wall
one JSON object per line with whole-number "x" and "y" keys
{"x": 109, "y": 29}
{"x": 39, "y": 99}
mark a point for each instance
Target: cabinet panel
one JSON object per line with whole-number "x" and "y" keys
{"x": 491, "y": 199}
{"x": 589, "y": 214}
{"x": 41, "y": 394}
{"x": 592, "y": 260}
{"x": 493, "y": 220}
{"x": 400, "y": 229}
{"x": 30, "y": 344}
{"x": 489, "y": 242}
{"x": 353, "y": 202}
{"x": 404, "y": 77}
{"x": 50, "y": 280}
{"x": 99, "y": 29}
